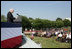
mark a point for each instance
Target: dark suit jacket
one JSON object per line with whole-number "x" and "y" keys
{"x": 10, "y": 17}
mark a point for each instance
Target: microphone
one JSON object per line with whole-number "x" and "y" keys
{"x": 17, "y": 14}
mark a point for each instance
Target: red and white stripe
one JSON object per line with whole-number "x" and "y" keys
{"x": 11, "y": 37}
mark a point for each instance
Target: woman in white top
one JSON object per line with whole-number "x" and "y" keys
{"x": 68, "y": 37}
{"x": 59, "y": 36}
{"x": 57, "y": 32}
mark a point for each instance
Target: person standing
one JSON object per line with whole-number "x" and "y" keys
{"x": 10, "y": 17}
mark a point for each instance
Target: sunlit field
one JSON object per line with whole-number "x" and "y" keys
{"x": 50, "y": 42}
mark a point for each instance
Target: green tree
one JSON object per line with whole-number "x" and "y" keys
{"x": 37, "y": 23}
{"x": 46, "y": 23}
{"x": 53, "y": 24}
{"x": 59, "y": 24}
{"x": 59, "y": 19}
{"x": 3, "y": 18}
{"x": 25, "y": 22}
{"x": 67, "y": 22}
{"x": 43, "y": 23}
{"x": 31, "y": 21}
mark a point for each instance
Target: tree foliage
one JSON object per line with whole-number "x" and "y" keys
{"x": 41, "y": 23}
{"x": 58, "y": 19}
{"x": 66, "y": 22}
{"x": 3, "y": 18}
{"x": 44, "y": 23}
{"x": 25, "y": 22}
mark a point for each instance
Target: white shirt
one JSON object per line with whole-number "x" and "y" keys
{"x": 60, "y": 35}
{"x": 56, "y": 33}
{"x": 68, "y": 36}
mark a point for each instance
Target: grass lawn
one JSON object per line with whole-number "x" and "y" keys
{"x": 50, "y": 42}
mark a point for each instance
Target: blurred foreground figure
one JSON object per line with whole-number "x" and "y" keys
{"x": 32, "y": 37}
{"x": 10, "y": 17}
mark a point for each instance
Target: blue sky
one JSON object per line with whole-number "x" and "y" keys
{"x": 38, "y": 9}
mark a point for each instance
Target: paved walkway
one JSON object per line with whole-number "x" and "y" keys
{"x": 28, "y": 43}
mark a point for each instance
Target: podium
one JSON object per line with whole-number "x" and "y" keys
{"x": 11, "y": 34}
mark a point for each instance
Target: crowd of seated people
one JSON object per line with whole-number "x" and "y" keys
{"x": 61, "y": 35}
{"x": 64, "y": 36}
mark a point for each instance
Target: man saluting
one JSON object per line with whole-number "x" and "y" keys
{"x": 10, "y": 17}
